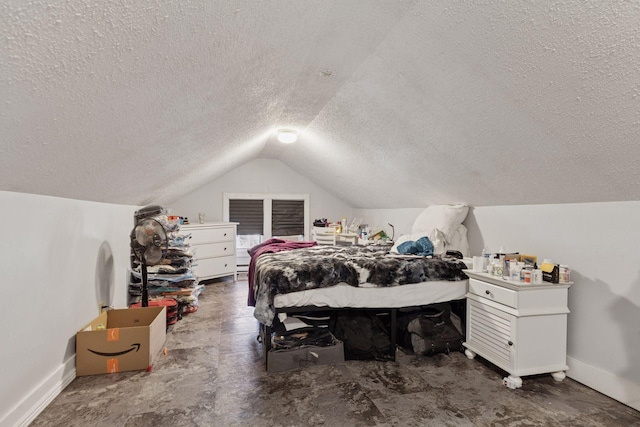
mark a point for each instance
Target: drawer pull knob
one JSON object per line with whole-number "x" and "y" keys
{"x": 225, "y": 265}
{"x": 225, "y": 234}
{"x": 510, "y": 343}
{"x": 487, "y": 292}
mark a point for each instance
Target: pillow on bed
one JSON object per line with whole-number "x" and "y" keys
{"x": 439, "y": 242}
{"x": 458, "y": 241}
{"x": 445, "y": 218}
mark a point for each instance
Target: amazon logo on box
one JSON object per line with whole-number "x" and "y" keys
{"x": 130, "y": 341}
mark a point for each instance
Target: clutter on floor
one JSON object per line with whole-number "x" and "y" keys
{"x": 170, "y": 281}
{"x": 304, "y": 339}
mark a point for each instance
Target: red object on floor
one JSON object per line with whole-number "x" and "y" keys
{"x": 190, "y": 309}
{"x": 169, "y": 303}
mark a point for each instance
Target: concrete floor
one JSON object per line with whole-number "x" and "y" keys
{"x": 213, "y": 375}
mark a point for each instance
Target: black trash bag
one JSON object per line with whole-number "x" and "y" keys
{"x": 363, "y": 333}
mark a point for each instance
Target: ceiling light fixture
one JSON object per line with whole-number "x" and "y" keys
{"x": 287, "y": 136}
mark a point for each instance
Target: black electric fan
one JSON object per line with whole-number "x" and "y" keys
{"x": 149, "y": 244}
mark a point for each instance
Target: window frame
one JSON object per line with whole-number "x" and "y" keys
{"x": 267, "y": 199}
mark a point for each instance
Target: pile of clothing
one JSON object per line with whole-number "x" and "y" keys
{"x": 172, "y": 278}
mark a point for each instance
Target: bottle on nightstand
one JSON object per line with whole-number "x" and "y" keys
{"x": 486, "y": 254}
{"x": 515, "y": 270}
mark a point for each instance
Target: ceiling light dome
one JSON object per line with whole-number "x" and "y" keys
{"x": 287, "y": 136}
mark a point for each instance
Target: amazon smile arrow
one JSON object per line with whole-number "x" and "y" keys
{"x": 117, "y": 353}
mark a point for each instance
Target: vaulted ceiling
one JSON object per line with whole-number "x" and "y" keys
{"x": 398, "y": 104}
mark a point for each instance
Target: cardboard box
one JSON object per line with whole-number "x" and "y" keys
{"x": 302, "y": 357}
{"x": 132, "y": 338}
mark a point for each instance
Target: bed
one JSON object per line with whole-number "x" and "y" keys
{"x": 352, "y": 277}
{"x": 286, "y": 279}
{"x": 340, "y": 277}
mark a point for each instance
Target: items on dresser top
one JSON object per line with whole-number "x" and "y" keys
{"x": 331, "y": 236}
{"x": 519, "y": 267}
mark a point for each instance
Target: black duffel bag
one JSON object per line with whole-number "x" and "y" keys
{"x": 433, "y": 332}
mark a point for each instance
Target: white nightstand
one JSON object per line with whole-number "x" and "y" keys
{"x": 519, "y": 328}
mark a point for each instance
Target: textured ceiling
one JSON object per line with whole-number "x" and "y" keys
{"x": 399, "y": 104}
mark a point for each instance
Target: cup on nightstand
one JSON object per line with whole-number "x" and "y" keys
{"x": 478, "y": 264}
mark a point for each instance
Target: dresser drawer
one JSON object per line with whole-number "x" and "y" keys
{"x": 214, "y": 249}
{"x": 215, "y": 267}
{"x": 492, "y": 292}
{"x": 211, "y": 235}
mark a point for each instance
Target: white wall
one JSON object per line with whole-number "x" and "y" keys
{"x": 259, "y": 176}
{"x": 54, "y": 253}
{"x": 600, "y": 242}
{"x": 401, "y": 219}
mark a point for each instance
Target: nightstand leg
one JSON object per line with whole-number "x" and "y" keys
{"x": 470, "y": 354}
{"x": 558, "y": 376}
{"x": 512, "y": 382}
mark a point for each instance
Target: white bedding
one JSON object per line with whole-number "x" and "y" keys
{"x": 345, "y": 296}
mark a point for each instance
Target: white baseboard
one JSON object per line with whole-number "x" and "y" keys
{"x": 28, "y": 409}
{"x": 617, "y": 388}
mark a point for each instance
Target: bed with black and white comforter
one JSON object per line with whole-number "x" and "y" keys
{"x": 370, "y": 266}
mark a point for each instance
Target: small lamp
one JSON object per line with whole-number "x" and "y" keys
{"x": 287, "y": 136}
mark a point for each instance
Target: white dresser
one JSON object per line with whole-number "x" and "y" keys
{"x": 214, "y": 245}
{"x": 519, "y": 328}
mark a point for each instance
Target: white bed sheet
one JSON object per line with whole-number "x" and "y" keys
{"x": 344, "y": 296}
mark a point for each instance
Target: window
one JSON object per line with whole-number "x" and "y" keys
{"x": 249, "y": 213}
{"x": 262, "y": 216}
{"x": 287, "y": 218}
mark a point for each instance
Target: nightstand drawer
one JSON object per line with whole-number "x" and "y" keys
{"x": 492, "y": 292}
